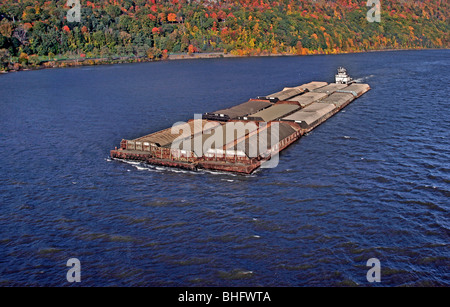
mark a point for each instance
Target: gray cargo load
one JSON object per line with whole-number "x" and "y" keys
{"x": 274, "y": 112}
{"x": 356, "y": 89}
{"x": 165, "y": 137}
{"x": 330, "y": 88}
{"x": 312, "y": 85}
{"x": 339, "y": 99}
{"x": 258, "y": 144}
{"x": 308, "y": 98}
{"x": 286, "y": 94}
{"x": 243, "y": 109}
{"x": 311, "y": 115}
{"x": 215, "y": 138}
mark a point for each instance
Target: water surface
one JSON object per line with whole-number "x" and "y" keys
{"x": 373, "y": 181}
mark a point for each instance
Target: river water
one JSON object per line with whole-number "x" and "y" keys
{"x": 371, "y": 182}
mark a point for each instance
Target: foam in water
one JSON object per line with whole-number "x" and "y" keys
{"x": 148, "y": 167}
{"x": 362, "y": 79}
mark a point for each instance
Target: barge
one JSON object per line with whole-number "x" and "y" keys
{"x": 247, "y": 136}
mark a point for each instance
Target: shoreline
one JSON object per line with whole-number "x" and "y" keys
{"x": 179, "y": 56}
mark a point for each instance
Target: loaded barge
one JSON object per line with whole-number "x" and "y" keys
{"x": 247, "y": 136}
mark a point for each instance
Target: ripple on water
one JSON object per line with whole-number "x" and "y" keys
{"x": 235, "y": 274}
{"x": 370, "y": 182}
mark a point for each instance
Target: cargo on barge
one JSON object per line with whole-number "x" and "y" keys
{"x": 247, "y": 136}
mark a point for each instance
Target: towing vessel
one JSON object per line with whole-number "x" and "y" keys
{"x": 247, "y": 136}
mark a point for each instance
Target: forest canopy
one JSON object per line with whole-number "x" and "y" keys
{"x": 33, "y": 30}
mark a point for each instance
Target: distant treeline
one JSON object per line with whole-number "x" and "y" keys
{"x": 34, "y": 31}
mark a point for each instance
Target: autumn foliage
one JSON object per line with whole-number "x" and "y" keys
{"x": 145, "y": 28}
{"x": 171, "y": 17}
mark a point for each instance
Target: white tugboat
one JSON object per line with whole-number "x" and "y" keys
{"x": 342, "y": 77}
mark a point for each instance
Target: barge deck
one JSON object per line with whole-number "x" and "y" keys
{"x": 248, "y": 136}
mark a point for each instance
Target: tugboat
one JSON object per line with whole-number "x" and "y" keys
{"x": 342, "y": 77}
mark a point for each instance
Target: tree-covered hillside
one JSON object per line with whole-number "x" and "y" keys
{"x": 32, "y": 31}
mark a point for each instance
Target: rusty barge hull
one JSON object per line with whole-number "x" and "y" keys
{"x": 283, "y": 117}
{"x": 225, "y": 163}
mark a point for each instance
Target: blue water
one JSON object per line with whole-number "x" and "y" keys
{"x": 371, "y": 182}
